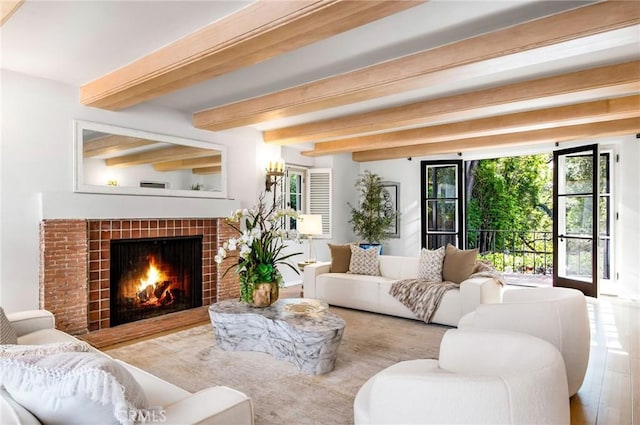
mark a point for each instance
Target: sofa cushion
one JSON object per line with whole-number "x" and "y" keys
{"x": 430, "y": 264}
{"x": 45, "y": 336}
{"x": 458, "y": 264}
{"x": 340, "y": 258}
{"x": 7, "y": 333}
{"x": 364, "y": 261}
{"x": 72, "y": 388}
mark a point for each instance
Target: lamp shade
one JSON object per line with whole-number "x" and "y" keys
{"x": 309, "y": 224}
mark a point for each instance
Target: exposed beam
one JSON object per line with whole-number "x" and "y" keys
{"x": 588, "y": 29}
{"x": 605, "y": 81}
{"x": 255, "y": 33}
{"x": 111, "y": 144}
{"x": 559, "y": 134}
{"x": 8, "y": 8}
{"x": 157, "y": 155}
{"x": 183, "y": 164}
{"x": 582, "y": 113}
{"x": 207, "y": 170}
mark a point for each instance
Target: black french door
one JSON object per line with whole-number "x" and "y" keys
{"x": 575, "y": 218}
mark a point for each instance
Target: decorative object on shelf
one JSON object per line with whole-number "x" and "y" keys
{"x": 375, "y": 213}
{"x": 196, "y": 186}
{"x": 309, "y": 225}
{"x": 259, "y": 250}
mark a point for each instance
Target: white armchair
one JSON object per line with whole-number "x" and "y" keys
{"x": 557, "y": 315}
{"x": 481, "y": 377}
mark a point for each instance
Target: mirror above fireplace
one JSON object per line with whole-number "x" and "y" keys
{"x": 117, "y": 160}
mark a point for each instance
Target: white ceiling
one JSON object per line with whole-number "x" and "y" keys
{"x": 75, "y": 42}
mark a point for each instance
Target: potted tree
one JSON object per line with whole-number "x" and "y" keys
{"x": 374, "y": 215}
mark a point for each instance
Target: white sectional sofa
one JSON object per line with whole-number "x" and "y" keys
{"x": 371, "y": 293}
{"x": 213, "y": 405}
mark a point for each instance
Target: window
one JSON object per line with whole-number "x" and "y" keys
{"x": 293, "y": 192}
{"x": 308, "y": 191}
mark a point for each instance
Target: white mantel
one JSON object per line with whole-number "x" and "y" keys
{"x": 69, "y": 205}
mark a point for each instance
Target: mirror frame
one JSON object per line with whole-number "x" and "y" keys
{"x": 79, "y": 186}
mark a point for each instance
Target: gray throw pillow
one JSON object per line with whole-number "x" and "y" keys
{"x": 430, "y": 264}
{"x": 7, "y": 332}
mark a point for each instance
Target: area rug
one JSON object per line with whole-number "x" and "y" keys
{"x": 281, "y": 394}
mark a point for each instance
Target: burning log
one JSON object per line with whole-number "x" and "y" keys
{"x": 160, "y": 288}
{"x": 145, "y": 294}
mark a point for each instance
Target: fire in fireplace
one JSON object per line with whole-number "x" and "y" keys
{"x": 150, "y": 277}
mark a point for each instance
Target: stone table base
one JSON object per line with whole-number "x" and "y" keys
{"x": 298, "y": 330}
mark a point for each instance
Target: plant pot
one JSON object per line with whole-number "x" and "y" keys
{"x": 265, "y": 294}
{"x": 372, "y": 246}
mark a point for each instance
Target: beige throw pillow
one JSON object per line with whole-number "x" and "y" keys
{"x": 458, "y": 264}
{"x": 430, "y": 264}
{"x": 364, "y": 261}
{"x": 340, "y": 258}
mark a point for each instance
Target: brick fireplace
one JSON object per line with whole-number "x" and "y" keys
{"x": 75, "y": 264}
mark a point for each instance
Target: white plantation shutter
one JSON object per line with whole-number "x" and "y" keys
{"x": 319, "y": 197}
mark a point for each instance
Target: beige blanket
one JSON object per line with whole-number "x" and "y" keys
{"x": 421, "y": 296}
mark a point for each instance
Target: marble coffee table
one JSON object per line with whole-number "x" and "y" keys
{"x": 298, "y": 330}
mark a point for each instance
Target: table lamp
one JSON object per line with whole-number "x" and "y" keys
{"x": 309, "y": 225}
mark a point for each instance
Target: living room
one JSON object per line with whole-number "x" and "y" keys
{"x": 52, "y": 49}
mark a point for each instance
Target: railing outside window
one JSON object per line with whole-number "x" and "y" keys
{"x": 513, "y": 250}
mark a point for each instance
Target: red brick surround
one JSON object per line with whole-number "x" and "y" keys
{"x": 74, "y": 269}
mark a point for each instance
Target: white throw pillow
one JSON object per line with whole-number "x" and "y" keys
{"x": 430, "y": 264}
{"x": 7, "y": 332}
{"x": 17, "y": 350}
{"x": 74, "y": 388}
{"x": 364, "y": 261}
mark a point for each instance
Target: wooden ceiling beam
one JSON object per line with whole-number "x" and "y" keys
{"x": 184, "y": 164}
{"x": 111, "y": 144}
{"x": 605, "y": 81}
{"x": 582, "y": 113}
{"x": 255, "y": 33}
{"x": 558, "y": 134}
{"x": 584, "y": 30}
{"x": 157, "y": 155}
{"x": 207, "y": 170}
{"x": 8, "y": 8}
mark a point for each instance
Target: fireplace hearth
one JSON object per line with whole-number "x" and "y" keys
{"x": 154, "y": 276}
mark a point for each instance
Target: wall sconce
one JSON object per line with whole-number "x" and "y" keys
{"x": 275, "y": 171}
{"x": 309, "y": 225}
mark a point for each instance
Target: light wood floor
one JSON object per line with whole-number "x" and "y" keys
{"x": 610, "y": 394}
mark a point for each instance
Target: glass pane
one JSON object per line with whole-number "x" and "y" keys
{"x": 578, "y": 172}
{"x": 293, "y": 201}
{"x": 441, "y": 216}
{"x": 441, "y": 182}
{"x": 604, "y": 216}
{"x": 436, "y": 241}
{"x": 578, "y": 215}
{"x": 604, "y": 173}
{"x": 578, "y": 258}
{"x": 604, "y": 263}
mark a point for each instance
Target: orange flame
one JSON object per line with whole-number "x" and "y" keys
{"x": 154, "y": 275}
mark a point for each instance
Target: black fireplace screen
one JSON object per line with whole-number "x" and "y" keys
{"x": 151, "y": 277}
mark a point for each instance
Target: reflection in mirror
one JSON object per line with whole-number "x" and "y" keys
{"x": 111, "y": 159}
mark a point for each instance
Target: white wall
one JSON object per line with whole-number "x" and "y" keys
{"x": 37, "y": 165}
{"x": 628, "y": 226}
